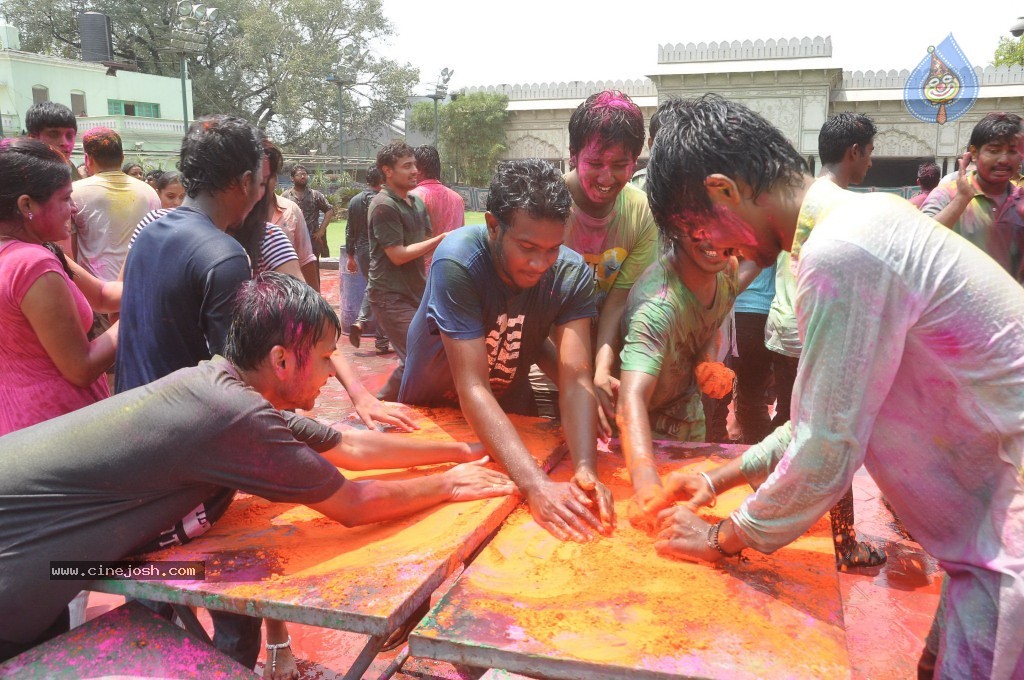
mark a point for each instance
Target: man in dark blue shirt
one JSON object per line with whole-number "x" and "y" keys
{"x": 183, "y": 271}
{"x": 494, "y": 296}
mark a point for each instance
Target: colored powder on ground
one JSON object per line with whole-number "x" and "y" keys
{"x": 617, "y": 602}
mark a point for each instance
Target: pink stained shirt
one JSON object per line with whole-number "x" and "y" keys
{"x": 288, "y": 216}
{"x": 445, "y": 206}
{"x": 32, "y": 388}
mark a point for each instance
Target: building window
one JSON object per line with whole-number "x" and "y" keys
{"x": 40, "y": 94}
{"x": 78, "y": 103}
{"x": 116, "y": 107}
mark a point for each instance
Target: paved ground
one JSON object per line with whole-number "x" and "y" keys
{"x": 887, "y": 612}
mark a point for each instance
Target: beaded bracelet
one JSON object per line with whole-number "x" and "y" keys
{"x": 713, "y": 543}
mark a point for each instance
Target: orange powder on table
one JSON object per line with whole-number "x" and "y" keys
{"x": 616, "y": 602}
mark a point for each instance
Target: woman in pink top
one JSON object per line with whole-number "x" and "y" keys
{"x": 50, "y": 367}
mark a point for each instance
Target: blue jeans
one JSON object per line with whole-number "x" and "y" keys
{"x": 394, "y": 315}
{"x": 362, "y": 256}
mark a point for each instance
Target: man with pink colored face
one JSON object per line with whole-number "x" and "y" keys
{"x": 610, "y": 223}
{"x": 911, "y": 365}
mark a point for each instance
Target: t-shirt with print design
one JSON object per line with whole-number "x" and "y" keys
{"x": 465, "y": 299}
{"x": 618, "y": 247}
{"x": 666, "y": 330}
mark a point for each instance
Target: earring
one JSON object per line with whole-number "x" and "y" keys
{"x": 30, "y": 216}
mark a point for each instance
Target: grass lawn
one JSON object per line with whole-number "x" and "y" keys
{"x": 336, "y": 231}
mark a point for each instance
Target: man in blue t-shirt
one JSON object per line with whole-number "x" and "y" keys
{"x": 494, "y": 295}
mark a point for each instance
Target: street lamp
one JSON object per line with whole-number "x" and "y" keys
{"x": 187, "y": 38}
{"x": 344, "y": 76}
{"x": 440, "y": 92}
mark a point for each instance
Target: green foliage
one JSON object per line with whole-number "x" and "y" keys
{"x": 1010, "y": 51}
{"x": 264, "y": 60}
{"x": 471, "y": 134}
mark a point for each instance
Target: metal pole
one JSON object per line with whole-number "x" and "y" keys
{"x": 435, "y": 120}
{"x": 341, "y": 127}
{"x": 184, "y": 95}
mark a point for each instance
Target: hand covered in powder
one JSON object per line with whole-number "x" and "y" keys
{"x": 714, "y": 379}
{"x": 598, "y": 493}
{"x": 473, "y": 481}
{"x": 563, "y": 510}
{"x": 645, "y": 505}
{"x": 684, "y": 536}
{"x": 690, "y": 488}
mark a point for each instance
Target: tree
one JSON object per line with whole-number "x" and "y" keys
{"x": 264, "y": 60}
{"x": 471, "y": 133}
{"x": 1010, "y": 51}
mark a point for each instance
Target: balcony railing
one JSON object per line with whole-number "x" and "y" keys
{"x": 139, "y": 124}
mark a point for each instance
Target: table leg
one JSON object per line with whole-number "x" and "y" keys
{"x": 395, "y": 665}
{"x": 191, "y": 622}
{"x": 366, "y": 657}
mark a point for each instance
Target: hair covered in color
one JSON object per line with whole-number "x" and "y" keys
{"x": 608, "y": 117}
{"x": 103, "y": 145}
{"x": 276, "y": 309}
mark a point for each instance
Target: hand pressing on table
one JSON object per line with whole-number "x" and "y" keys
{"x": 473, "y": 481}
{"x": 646, "y": 503}
{"x": 599, "y": 495}
{"x": 563, "y": 510}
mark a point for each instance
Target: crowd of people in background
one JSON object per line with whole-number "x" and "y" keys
{"x": 841, "y": 328}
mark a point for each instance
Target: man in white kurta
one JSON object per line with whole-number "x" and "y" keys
{"x": 913, "y": 365}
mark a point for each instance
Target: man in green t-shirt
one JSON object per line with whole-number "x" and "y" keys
{"x": 610, "y": 223}
{"x": 670, "y": 327}
{"x": 400, "y": 235}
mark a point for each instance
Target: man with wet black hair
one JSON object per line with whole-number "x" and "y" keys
{"x": 845, "y": 144}
{"x": 144, "y": 458}
{"x": 180, "y": 279}
{"x": 911, "y": 365}
{"x": 494, "y": 295}
{"x": 183, "y": 270}
{"x": 984, "y": 206}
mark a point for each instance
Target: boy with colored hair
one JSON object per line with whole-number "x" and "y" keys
{"x": 610, "y": 223}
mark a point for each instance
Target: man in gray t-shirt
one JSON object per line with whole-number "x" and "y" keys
{"x": 99, "y": 483}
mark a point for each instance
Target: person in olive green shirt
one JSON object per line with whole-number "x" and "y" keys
{"x": 400, "y": 236}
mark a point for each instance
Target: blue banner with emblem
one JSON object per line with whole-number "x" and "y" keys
{"x": 944, "y": 85}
